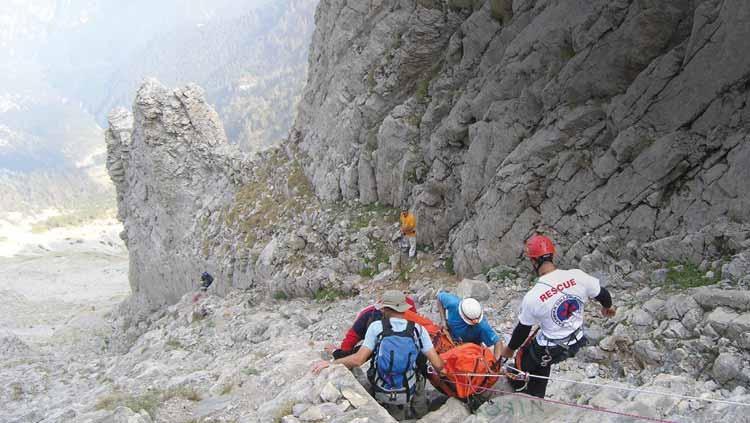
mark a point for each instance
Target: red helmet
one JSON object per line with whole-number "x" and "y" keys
{"x": 538, "y": 246}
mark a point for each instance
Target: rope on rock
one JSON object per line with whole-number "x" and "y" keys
{"x": 563, "y": 403}
{"x": 622, "y": 388}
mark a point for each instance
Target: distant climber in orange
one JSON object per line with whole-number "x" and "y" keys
{"x": 409, "y": 230}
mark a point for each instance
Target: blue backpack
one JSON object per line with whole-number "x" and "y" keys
{"x": 393, "y": 367}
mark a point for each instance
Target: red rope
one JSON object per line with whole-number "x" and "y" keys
{"x": 570, "y": 404}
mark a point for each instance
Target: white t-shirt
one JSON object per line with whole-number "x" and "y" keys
{"x": 556, "y": 303}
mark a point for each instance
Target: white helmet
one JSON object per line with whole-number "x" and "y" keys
{"x": 471, "y": 311}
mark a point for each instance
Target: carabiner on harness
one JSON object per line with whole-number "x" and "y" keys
{"x": 525, "y": 378}
{"x": 517, "y": 375}
{"x": 546, "y": 358}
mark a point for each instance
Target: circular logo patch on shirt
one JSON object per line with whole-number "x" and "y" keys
{"x": 565, "y": 309}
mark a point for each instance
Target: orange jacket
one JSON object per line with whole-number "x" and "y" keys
{"x": 408, "y": 224}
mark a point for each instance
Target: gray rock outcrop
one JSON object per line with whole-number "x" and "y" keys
{"x": 496, "y": 119}
{"x": 171, "y": 165}
{"x": 469, "y": 288}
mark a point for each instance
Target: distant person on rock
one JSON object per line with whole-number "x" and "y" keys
{"x": 206, "y": 281}
{"x": 465, "y": 321}
{"x": 409, "y": 230}
{"x": 355, "y": 334}
{"x": 393, "y": 345}
{"x": 555, "y": 304}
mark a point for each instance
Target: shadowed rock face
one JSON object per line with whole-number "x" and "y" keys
{"x": 623, "y": 121}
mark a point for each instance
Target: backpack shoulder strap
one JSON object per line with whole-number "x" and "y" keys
{"x": 387, "y": 328}
{"x": 410, "y": 328}
{"x": 371, "y": 316}
{"x": 414, "y": 333}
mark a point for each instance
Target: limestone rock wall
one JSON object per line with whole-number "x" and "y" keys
{"x": 191, "y": 202}
{"x": 618, "y": 125}
{"x": 172, "y": 167}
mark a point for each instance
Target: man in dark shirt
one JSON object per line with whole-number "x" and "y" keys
{"x": 355, "y": 334}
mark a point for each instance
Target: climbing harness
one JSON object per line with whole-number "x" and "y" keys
{"x": 546, "y": 358}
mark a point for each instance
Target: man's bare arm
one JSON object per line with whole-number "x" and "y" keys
{"x": 434, "y": 358}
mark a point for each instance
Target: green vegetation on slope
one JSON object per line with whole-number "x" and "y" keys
{"x": 279, "y": 190}
{"x": 688, "y": 275}
{"x": 148, "y": 401}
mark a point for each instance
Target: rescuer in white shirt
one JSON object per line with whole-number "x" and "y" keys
{"x": 555, "y": 305}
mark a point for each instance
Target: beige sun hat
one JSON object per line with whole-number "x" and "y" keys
{"x": 394, "y": 300}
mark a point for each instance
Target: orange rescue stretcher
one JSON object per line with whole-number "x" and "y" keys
{"x": 470, "y": 369}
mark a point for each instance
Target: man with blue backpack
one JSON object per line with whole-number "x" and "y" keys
{"x": 393, "y": 346}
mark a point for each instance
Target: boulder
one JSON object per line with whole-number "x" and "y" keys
{"x": 744, "y": 341}
{"x": 737, "y": 268}
{"x": 676, "y": 330}
{"x": 591, "y": 370}
{"x": 678, "y": 305}
{"x": 594, "y": 334}
{"x": 642, "y": 318}
{"x": 329, "y": 393}
{"x": 383, "y": 276}
{"x": 313, "y": 413}
{"x": 727, "y": 367}
{"x": 655, "y": 307}
{"x": 296, "y": 242}
{"x": 299, "y": 408}
{"x": 692, "y": 318}
{"x": 596, "y": 261}
{"x": 354, "y": 398}
{"x": 638, "y": 277}
{"x": 308, "y": 388}
{"x": 469, "y": 288}
{"x": 728, "y": 322}
{"x": 710, "y": 298}
{"x": 659, "y": 275}
{"x": 647, "y": 352}
{"x": 453, "y": 411}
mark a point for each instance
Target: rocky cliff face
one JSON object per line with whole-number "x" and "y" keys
{"x": 191, "y": 202}
{"x": 164, "y": 159}
{"x": 620, "y": 126}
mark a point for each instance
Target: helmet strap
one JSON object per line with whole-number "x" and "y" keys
{"x": 537, "y": 262}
